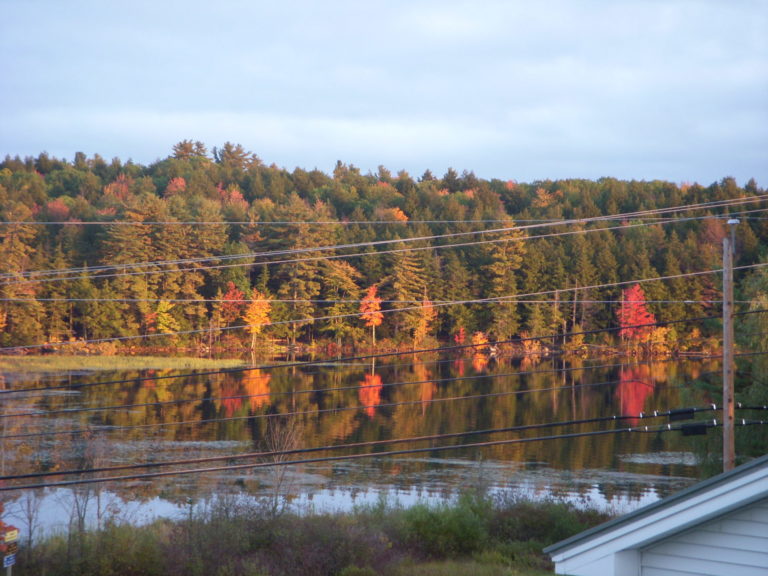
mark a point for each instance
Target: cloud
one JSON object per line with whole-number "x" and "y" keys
{"x": 505, "y": 88}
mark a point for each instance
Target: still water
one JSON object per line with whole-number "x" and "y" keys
{"x": 422, "y": 415}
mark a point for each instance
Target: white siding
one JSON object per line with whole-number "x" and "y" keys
{"x": 733, "y": 545}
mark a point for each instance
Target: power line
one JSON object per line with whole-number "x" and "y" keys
{"x": 511, "y": 299}
{"x": 258, "y": 223}
{"x": 335, "y": 409}
{"x": 270, "y": 394}
{"x": 367, "y": 357}
{"x": 109, "y": 428}
{"x": 358, "y": 301}
{"x": 694, "y": 429}
{"x": 31, "y": 275}
{"x": 272, "y": 453}
{"x": 618, "y": 217}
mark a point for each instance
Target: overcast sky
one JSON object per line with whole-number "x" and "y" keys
{"x": 525, "y": 90}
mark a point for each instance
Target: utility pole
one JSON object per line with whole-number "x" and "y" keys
{"x": 729, "y": 444}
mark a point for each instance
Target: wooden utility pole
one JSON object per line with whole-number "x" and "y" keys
{"x": 729, "y": 444}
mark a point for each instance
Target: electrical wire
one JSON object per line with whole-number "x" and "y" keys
{"x": 317, "y": 412}
{"x": 365, "y": 357}
{"x": 511, "y": 299}
{"x": 370, "y": 443}
{"x": 31, "y": 276}
{"x": 383, "y": 454}
{"x": 214, "y": 400}
{"x": 368, "y": 357}
{"x": 582, "y": 221}
{"x": 258, "y": 223}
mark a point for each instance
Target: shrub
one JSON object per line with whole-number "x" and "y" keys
{"x": 544, "y": 522}
{"x": 324, "y": 546}
{"x": 445, "y": 531}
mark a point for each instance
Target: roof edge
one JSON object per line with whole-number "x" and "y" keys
{"x": 682, "y": 495}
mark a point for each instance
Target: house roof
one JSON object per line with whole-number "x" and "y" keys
{"x": 702, "y": 501}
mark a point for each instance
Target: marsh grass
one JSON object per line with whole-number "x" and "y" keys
{"x": 56, "y": 363}
{"x": 476, "y": 535}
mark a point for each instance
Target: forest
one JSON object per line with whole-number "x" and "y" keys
{"x": 217, "y": 250}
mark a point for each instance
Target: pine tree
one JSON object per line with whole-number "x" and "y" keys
{"x": 405, "y": 284}
{"x": 505, "y": 258}
{"x": 339, "y": 288}
{"x": 426, "y": 317}
{"x": 20, "y": 312}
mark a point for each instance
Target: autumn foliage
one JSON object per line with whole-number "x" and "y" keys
{"x": 427, "y": 315}
{"x": 196, "y": 227}
{"x": 256, "y": 315}
{"x": 370, "y": 311}
{"x": 635, "y": 320}
{"x": 233, "y": 303}
{"x": 479, "y": 340}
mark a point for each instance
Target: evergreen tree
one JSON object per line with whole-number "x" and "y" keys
{"x": 405, "y": 285}
{"x": 340, "y": 290}
{"x": 504, "y": 258}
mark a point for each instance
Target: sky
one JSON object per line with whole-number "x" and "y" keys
{"x": 517, "y": 90}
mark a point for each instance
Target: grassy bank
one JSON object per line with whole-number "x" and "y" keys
{"x": 56, "y": 363}
{"x": 476, "y": 535}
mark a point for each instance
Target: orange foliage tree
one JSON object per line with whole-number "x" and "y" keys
{"x": 256, "y": 315}
{"x": 370, "y": 312}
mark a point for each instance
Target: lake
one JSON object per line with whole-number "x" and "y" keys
{"x": 406, "y": 428}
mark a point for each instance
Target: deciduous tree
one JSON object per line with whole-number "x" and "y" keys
{"x": 635, "y": 320}
{"x": 256, "y": 315}
{"x": 370, "y": 311}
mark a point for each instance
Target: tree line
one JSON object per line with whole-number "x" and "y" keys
{"x": 186, "y": 245}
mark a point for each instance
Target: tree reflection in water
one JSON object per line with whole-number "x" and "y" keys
{"x": 138, "y": 420}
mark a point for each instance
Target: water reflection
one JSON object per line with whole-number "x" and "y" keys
{"x": 135, "y": 420}
{"x": 635, "y": 387}
{"x": 370, "y": 393}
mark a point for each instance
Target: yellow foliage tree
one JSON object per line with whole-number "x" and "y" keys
{"x": 256, "y": 315}
{"x": 479, "y": 340}
{"x": 660, "y": 341}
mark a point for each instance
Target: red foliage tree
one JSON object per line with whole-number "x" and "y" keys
{"x": 57, "y": 210}
{"x": 635, "y": 320}
{"x": 233, "y": 303}
{"x": 175, "y": 185}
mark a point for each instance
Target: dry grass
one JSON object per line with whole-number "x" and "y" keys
{"x": 56, "y": 363}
